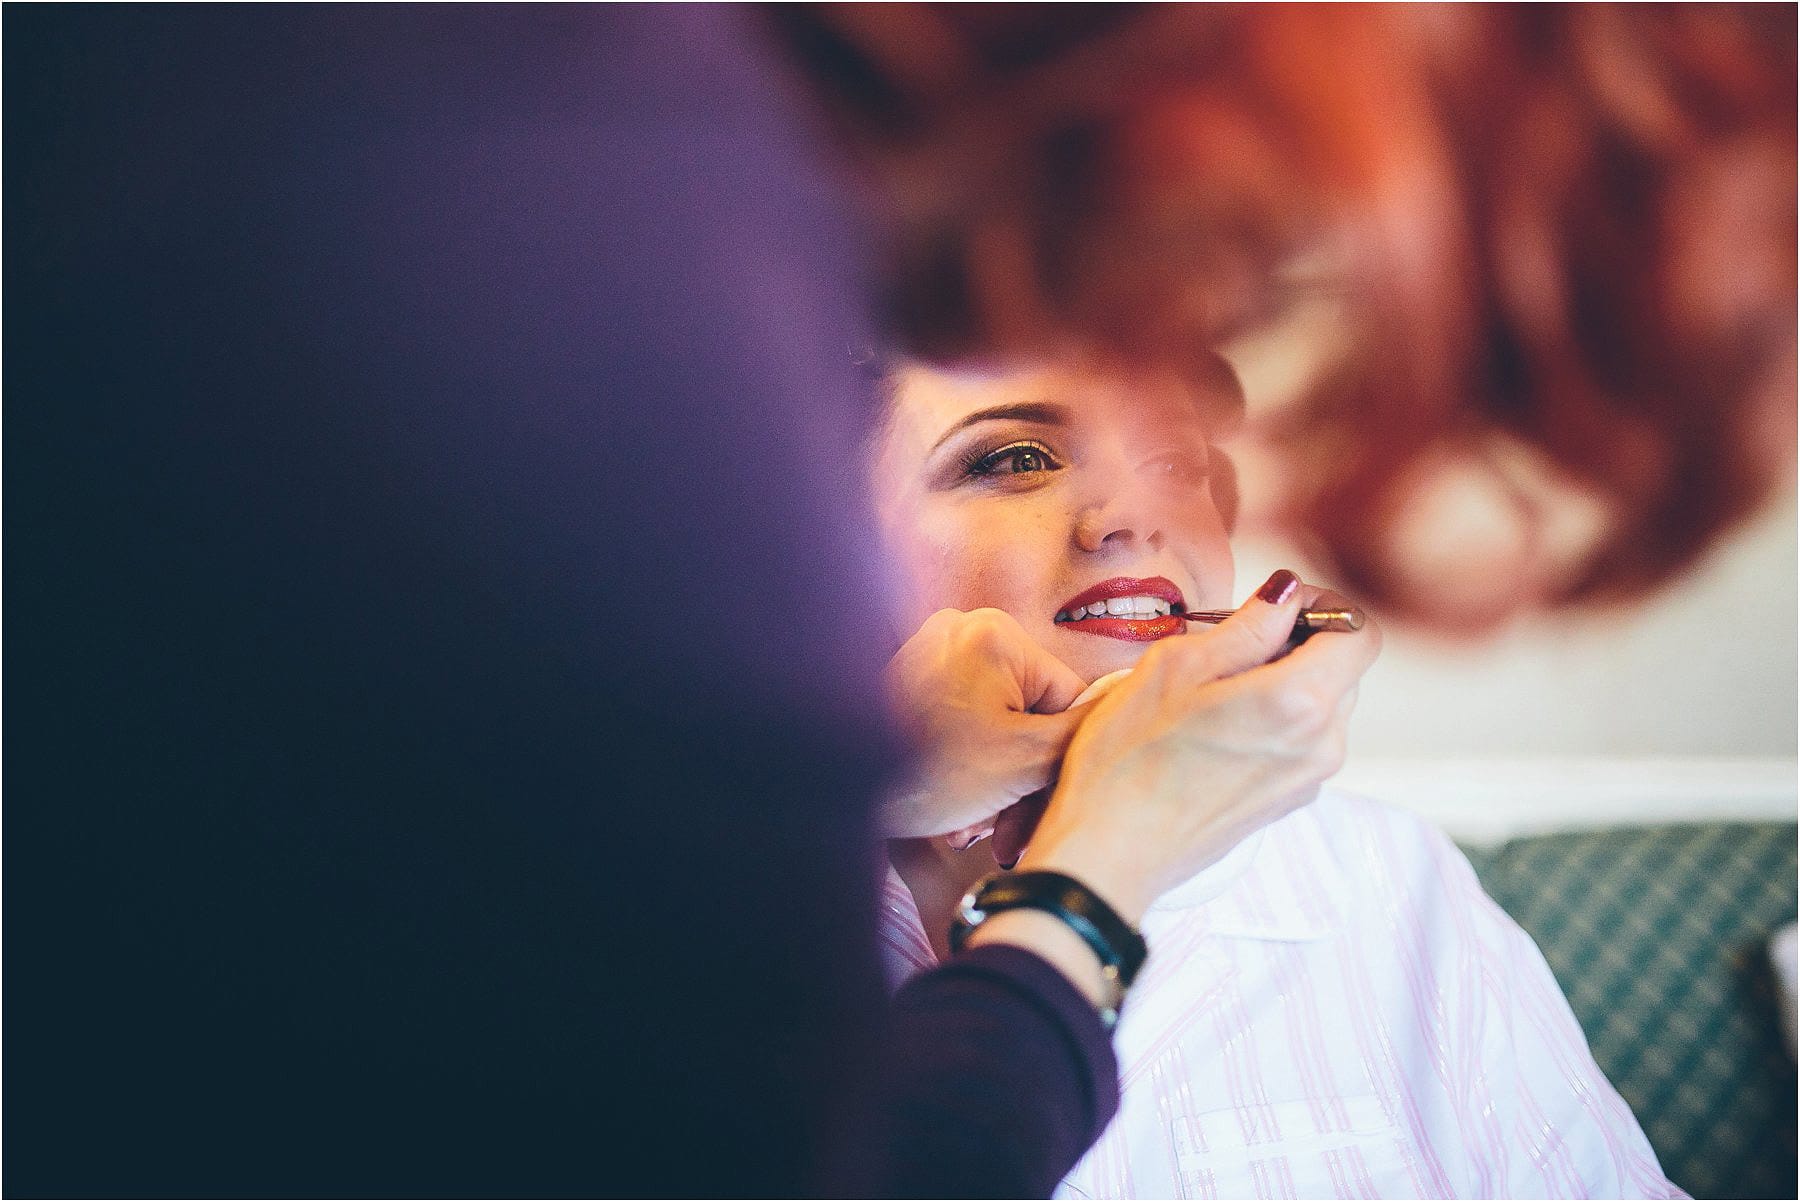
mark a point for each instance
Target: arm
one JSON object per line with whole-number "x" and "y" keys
{"x": 1000, "y": 1077}
{"x": 1210, "y": 708}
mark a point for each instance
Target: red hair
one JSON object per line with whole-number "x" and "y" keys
{"x": 1564, "y": 236}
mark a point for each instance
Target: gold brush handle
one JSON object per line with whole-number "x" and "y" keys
{"x": 1310, "y": 621}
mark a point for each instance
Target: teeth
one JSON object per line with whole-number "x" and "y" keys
{"x": 1118, "y": 607}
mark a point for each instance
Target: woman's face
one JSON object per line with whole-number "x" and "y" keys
{"x": 1077, "y": 501}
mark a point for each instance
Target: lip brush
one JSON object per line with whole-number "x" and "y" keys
{"x": 1310, "y": 621}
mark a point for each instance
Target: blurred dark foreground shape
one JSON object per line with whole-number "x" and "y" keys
{"x": 389, "y": 393}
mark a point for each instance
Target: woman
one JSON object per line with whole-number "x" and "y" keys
{"x": 1333, "y": 1007}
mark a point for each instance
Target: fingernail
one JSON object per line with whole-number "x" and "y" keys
{"x": 1010, "y": 867}
{"x": 1278, "y": 588}
{"x": 968, "y": 840}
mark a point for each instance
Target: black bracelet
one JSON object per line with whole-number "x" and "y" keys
{"x": 1121, "y": 949}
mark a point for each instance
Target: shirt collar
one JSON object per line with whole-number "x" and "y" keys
{"x": 1281, "y": 884}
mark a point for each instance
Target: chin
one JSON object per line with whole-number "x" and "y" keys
{"x": 1101, "y": 656}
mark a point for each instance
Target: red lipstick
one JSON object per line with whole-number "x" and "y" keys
{"x": 1136, "y": 629}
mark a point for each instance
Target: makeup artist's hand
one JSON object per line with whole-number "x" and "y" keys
{"x": 1214, "y": 735}
{"x": 985, "y": 707}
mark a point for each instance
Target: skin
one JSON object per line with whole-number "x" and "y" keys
{"x": 992, "y": 528}
{"x": 1115, "y": 484}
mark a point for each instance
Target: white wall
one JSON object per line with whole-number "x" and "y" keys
{"x": 1684, "y": 708}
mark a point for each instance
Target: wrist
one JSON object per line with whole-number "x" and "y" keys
{"x": 1115, "y": 877}
{"x": 1113, "y": 942}
{"x": 1050, "y": 939}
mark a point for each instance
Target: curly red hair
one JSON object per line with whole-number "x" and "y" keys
{"x": 1563, "y": 236}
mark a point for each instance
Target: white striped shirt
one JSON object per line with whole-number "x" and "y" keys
{"x": 1337, "y": 1010}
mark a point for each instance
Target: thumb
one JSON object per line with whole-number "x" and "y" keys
{"x": 1077, "y": 710}
{"x": 1256, "y": 633}
{"x": 1049, "y": 685}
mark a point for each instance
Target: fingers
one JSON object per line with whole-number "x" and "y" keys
{"x": 1264, "y": 687}
{"x": 1331, "y": 662}
{"x": 1014, "y": 827}
{"x": 981, "y": 639}
{"x": 1249, "y": 638}
{"x": 1308, "y": 695}
{"x": 988, "y": 710}
{"x": 1102, "y": 686}
{"x": 1050, "y": 685}
{"x": 969, "y": 836}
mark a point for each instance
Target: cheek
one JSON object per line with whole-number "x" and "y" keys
{"x": 968, "y": 561}
{"x": 1207, "y": 549}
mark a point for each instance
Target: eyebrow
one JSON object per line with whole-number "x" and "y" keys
{"x": 1042, "y": 412}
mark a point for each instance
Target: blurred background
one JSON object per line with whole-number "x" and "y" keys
{"x": 1681, "y": 707}
{"x": 1623, "y": 779}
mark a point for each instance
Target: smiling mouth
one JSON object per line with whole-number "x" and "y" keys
{"x": 1138, "y": 608}
{"x": 1126, "y": 608}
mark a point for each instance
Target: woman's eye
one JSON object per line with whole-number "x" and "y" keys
{"x": 1016, "y": 459}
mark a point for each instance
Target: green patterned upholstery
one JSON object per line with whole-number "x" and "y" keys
{"x": 1659, "y": 936}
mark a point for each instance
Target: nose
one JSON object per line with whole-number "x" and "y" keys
{"x": 1123, "y": 514}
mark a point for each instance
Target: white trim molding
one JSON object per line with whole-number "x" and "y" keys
{"x": 1487, "y": 801}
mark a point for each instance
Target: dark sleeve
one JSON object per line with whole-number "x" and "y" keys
{"x": 444, "y": 752}
{"x": 1002, "y": 1076}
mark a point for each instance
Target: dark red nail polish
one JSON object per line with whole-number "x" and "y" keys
{"x": 1278, "y": 588}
